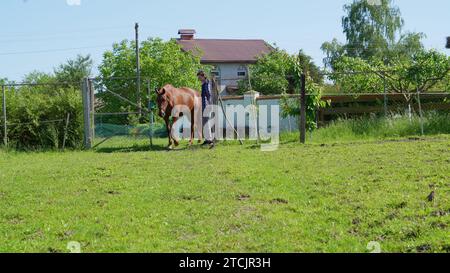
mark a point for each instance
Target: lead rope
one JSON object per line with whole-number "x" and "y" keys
{"x": 226, "y": 117}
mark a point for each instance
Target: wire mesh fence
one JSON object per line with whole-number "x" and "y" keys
{"x": 338, "y": 108}
{"x": 121, "y": 116}
{"x": 392, "y": 103}
{"x": 341, "y": 107}
{"x": 369, "y": 103}
{"x": 353, "y": 117}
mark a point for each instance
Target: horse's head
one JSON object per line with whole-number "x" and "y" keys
{"x": 164, "y": 100}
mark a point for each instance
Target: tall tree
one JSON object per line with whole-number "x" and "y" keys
{"x": 162, "y": 62}
{"x": 373, "y": 31}
{"x": 423, "y": 71}
{"x": 39, "y": 77}
{"x": 74, "y": 70}
{"x": 274, "y": 72}
{"x": 377, "y": 54}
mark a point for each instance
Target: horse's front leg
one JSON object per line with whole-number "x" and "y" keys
{"x": 175, "y": 141}
{"x": 169, "y": 132}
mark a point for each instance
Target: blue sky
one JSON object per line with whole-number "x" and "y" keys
{"x": 40, "y": 34}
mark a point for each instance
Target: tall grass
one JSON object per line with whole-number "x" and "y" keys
{"x": 378, "y": 128}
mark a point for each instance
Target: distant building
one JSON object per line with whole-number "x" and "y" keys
{"x": 229, "y": 57}
{"x": 448, "y": 42}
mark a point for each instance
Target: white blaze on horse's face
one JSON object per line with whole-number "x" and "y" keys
{"x": 163, "y": 103}
{"x": 163, "y": 107}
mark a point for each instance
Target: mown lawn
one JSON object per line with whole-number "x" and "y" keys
{"x": 313, "y": 198}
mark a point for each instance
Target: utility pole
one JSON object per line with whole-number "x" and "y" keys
{"x": 138, "y": 70}
{"x": 5, "y": 126}
{"x": 87, "y": 114}
{"x": 303, "y": 109}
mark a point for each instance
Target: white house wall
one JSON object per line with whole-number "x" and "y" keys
{"x": 289, "y": 124}
{"x": 228, "y": 75}
{"x": 286, "y": 124}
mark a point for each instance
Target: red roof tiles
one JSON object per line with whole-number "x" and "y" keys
{"x": 226, "y": 51}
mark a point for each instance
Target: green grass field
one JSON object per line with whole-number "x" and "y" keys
{"x": 332, "y": 197}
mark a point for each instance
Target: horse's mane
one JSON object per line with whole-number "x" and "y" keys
{"x": 171, "y": 88}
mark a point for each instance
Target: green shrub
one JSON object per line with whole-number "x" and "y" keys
{"x": 274, "y": 73}
{"x": 37, "y": 117}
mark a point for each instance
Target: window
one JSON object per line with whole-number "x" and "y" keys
{"x": 215, "y": 71}
{"x": 242, "y": 71}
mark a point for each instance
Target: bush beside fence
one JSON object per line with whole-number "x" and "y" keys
{"x": 43, "y": 117}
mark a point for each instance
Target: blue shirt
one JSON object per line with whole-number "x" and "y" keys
{"x": 206, "y": 95}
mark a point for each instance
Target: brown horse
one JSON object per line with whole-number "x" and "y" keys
{"x": 176, "y": 103}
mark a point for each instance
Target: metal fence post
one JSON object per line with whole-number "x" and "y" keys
{"x": 86, "y": 114}
{"x": 66, "y": 128}
{"x": 92, "y": 108}
{"x": 422, "y": 130}
{"x": 5, "y": 126}
{"x": 150, "y": 108}
{"x": 385, "y": 96}
{"x": 303, "y": 110}
{"x": 138, "y": 71}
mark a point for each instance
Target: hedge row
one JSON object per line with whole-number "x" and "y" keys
{"x": 36, "y": 117}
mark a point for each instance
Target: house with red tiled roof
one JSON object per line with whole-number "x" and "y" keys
{"x": 230, "y": 58}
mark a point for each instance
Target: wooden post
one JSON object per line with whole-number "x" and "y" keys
{"x": 385, "y": 96}
{"x": 150, "y": 108}
{"x": 92, "y": 108}
{"x": 5, "y": 126}
{"x": 249, "y": 78}
{"x": 86, "y": 114}
{"x": 138, "y": 71}
{"x": 66, "y": 128}
{"x": 422, "y": 129}
{"x": 303, "y": 110}
{"x": 215, "y": 90}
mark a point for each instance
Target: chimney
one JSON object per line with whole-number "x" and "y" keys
{"x": 186, "y": 34}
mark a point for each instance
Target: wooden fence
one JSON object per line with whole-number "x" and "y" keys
{"x": 350, "y": 105}
{"x": 357, "y": 105}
